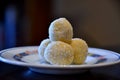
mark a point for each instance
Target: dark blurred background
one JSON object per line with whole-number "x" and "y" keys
{"x": 26, "y": 22}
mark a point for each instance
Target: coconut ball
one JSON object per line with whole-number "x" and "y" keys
{"x": 59, "y": 53}
{"x": 41, "y": 48}
{"x": 61, "y": 30}
{"x": 80, "y": 49}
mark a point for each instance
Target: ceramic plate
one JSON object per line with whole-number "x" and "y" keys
{"x": 28, "y": 56}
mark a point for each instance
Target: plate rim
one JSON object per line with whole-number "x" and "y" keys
{"x": 82, "y": 66}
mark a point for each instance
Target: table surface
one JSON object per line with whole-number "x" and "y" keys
{"x": 12, "y": 72}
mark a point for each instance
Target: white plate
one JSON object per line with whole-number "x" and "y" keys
{"x": 28, "y": 56}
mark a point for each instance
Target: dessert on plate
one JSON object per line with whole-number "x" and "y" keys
{"x": 61, "y": 48}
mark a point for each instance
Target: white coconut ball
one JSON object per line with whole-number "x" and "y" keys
{"x": 80, "y": 49}
{"x": 61, "y": 30}
{"x": 59, "y": 53}
{"x": 42, "y": 47}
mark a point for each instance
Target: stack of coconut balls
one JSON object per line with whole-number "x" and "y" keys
{"x": 61, "y": 48}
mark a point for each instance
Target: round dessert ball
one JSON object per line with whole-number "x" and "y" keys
{"x": 42, "y": 47}
{"x": 80, "y": 49}
{"x": 59, "y": 53}
{"x": 61, "y": 30}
